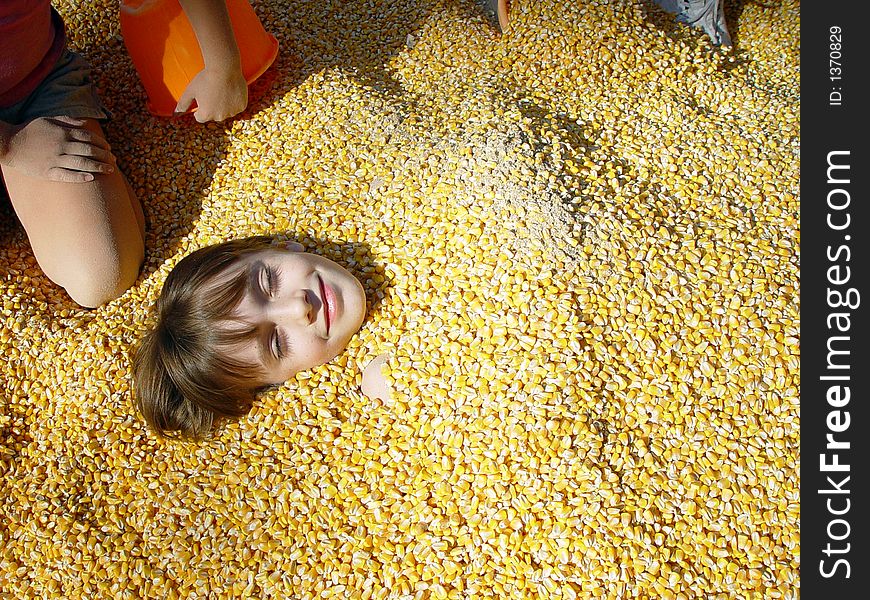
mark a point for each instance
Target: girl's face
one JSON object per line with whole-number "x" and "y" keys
{"x": 304, "y": 308}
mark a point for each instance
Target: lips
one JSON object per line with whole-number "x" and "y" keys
{"x": 328, "y": 297}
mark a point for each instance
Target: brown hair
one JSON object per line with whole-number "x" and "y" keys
{"x": 184, "y": 377}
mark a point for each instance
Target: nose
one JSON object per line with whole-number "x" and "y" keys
{"x": 294, "y": 309}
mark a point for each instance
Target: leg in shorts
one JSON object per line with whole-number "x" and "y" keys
{"x": 87, "y": 237}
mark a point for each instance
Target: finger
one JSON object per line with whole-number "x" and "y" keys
{"x": 67, "y": 176}
{"x": 89, "y": 151}
{"x": 88, "y": 137}
{"x": 202, "y": 116}
{"x": 81, "y": 163}
{"x": 187, "y": 98}
{"x": 75, "y": 122}
{"x": 103, "y": 155}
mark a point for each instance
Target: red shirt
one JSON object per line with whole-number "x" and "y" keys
{"x": 31, "y": 40}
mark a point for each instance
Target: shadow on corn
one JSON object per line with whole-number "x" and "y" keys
{"x": 172, "y": 201}
{"x": 9, "y": 225}
{"x": 318, "y": 36}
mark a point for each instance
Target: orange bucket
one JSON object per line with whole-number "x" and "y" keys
{"x": 166, "y": 53}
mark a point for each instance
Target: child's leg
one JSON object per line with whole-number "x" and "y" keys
{"x": 87, "y": 237}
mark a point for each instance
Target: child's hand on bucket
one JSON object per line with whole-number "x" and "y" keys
{"x": 219, "y": 94}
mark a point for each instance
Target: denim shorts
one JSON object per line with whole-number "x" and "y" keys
{"x": 67, "y": 90}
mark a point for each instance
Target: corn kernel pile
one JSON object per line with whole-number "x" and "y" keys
{"x": 580, "y": 245}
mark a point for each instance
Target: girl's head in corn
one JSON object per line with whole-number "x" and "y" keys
{"x": 234, "y": 318}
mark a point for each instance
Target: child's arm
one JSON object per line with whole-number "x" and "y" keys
{"x": 55, "y": 149}
{"x": 219, "y": 90}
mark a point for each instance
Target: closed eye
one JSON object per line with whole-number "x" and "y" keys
{"x": 268, "y": 281}
{"x": 263, "y": 281}
{"x": 280, "y": 344}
